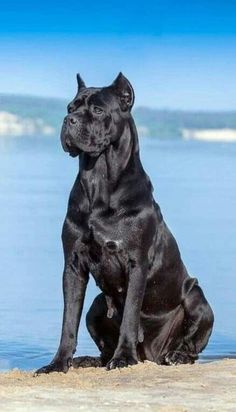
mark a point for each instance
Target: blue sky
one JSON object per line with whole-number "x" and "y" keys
{"x": 177, "y": 54}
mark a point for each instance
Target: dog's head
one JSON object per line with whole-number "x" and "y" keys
{"x": 96, "y": 117}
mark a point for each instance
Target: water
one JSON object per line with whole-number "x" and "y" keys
{"x": 195, "y": 185}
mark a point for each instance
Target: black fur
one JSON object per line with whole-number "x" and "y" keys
{"x": 149, "y": 308}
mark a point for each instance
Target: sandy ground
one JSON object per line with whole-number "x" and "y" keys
{"x": 145, "y": 387}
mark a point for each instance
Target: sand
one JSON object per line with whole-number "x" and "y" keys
{"x": 144, "y": 387}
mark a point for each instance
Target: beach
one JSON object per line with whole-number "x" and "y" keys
{"x": 146, "y": 386}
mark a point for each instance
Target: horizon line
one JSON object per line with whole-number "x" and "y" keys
{"x": 173, "y": 109}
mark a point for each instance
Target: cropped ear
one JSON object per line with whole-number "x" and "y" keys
{"x": 124, "y": 91}
{"x": 80, "y": 82}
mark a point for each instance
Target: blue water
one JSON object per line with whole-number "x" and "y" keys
{"x": 195, "y": 185}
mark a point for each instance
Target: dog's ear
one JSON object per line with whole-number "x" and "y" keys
{"x": 80, "y": 82}
{"x": 124, "y": 91}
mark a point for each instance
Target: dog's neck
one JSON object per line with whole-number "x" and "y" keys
{"x": 104, "y": 178}
{"x": 123, "y": 155}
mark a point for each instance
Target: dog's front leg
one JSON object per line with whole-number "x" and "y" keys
{"x": 126, "y": 351}
{"x": 75, "y": 279}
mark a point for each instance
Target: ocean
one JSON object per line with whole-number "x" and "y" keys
{"x": 195, "y": 186}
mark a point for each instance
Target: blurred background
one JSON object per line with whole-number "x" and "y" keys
{"x": 181, "y": 59}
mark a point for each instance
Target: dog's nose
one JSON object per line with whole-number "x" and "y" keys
{"x": 72, "y": 120}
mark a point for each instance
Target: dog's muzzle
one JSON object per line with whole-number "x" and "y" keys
{"x": 67, "y": 139}
{"x": 75, "y": 140}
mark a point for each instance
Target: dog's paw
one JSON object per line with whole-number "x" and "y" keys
{"x": 178, "y": 358}
{"x": 121, "y": 362}
{"x": 87, "y": 362}
{"x": 55, "y": 366}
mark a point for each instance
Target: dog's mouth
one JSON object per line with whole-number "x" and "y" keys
{"x": 74, "y": 152}
{"x": 77, "y": 152}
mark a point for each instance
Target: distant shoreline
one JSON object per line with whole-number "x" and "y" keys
{"x": 210, "y": 135}
{"x": 13, "y": 125}
{"x": 34, "y": 116}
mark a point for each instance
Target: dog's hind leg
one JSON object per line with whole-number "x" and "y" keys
{"x": 197, "y": 326}
{"x": 104, "y": 329}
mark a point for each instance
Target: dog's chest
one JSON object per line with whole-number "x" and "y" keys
{"x": 108, "y": 262}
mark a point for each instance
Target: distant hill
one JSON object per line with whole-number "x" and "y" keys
{"x": 40, "y": 112}
{"x": 28, "y": 115}
{"x": 167, "y": 124}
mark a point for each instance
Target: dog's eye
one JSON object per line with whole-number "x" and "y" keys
{"x": 97, "y": 110}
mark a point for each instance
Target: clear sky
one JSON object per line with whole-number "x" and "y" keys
{"x": 177, "y": 54}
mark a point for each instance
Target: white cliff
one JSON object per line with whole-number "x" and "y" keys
{"x": 13, "y": 125}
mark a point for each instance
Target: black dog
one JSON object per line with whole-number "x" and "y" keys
{"x": 149, "y": 307}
